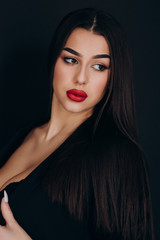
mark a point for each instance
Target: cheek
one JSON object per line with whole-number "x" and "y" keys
{"x": 58, "y": 75}
{"x": 100, "y": 87}
{"x": 61, "y": 74}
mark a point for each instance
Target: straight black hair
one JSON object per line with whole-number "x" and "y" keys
{"x": 109, "y": 181}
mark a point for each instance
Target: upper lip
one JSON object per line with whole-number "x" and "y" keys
{"x": 77, "y": 92}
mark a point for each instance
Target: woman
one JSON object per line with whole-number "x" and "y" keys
{"x": 81, "y": 175}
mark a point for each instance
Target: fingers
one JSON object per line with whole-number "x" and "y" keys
{"x": 6, "y": 211}
{"x": 5, "y": 196}
{"x": 12, "y": 230}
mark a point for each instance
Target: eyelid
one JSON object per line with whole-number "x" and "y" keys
{"x": 72, "y": 58}
{"x": 101, "y": 65}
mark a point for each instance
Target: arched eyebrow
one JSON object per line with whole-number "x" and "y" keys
{"x": 102, "y": 56}
{"x": 70, "y": 50}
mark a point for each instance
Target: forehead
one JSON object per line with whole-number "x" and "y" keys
{"x": 87, "y": 42}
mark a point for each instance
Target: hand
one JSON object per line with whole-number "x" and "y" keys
{"x": 12, "y": 230}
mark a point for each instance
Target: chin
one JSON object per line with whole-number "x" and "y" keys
{"x": 78, "y": 108}
{"x": 74, "y": 109}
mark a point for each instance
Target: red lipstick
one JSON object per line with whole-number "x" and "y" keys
{"x": 76, "y": 95}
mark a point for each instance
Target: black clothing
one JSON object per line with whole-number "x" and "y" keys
{"x": 112, "y": 157}
{"x": 30, "y": 204}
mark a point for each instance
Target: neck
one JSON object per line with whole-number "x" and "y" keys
{"x": 64, "y": 121}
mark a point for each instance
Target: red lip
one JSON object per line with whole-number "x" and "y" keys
{"x": 77, "y": 95}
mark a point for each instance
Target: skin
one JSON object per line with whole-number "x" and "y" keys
{"x": 12, "y": 230}
{"x": 82, "y": 72}
{"x": 77, "y": 67}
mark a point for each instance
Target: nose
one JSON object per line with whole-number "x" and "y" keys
{"x": 81, "y": 76}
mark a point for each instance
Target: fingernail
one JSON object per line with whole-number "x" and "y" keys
{"x": 5, "y": 196}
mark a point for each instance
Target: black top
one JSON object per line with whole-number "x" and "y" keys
{"x": 31, "y": 205}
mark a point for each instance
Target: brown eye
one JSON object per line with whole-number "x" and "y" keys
{"x": 99, "y": 67}
{"x": 70, "y": 60}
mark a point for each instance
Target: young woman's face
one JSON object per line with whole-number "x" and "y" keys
{"x": 81, "y": 72}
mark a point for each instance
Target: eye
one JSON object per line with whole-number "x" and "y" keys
{"x": 100, "y": 67}
{"x": 70, "y": 60}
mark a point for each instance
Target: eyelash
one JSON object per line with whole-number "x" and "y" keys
{"x": 72, "y": 61}
{"x": 66, "y": 59}
{"x": 102, "y": 67}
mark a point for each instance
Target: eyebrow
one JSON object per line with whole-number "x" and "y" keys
{"x": 70, "y": 50}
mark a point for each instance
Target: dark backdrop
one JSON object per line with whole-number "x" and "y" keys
{"x": 26, "y": 30}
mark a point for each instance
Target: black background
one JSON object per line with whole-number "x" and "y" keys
{"x": 26, "y": 28}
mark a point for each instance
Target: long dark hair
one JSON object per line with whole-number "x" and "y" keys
{"x": 108, "y": 182}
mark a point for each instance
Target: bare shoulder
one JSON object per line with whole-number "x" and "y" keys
{"x": 23, "y": 160}
{"x": 23, "y": 153}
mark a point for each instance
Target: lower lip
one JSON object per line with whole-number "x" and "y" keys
{"x": 75, "y": 98}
